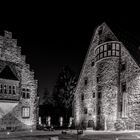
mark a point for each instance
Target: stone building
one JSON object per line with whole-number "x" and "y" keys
{"x": 107, "y": 95}
{"x": 18, "y": 88}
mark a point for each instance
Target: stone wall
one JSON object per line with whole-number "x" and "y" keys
{"x": 10, "y": 54}
{"x": 111, "y": 78}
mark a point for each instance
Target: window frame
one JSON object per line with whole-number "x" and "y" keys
{"x": 23, "y": 113}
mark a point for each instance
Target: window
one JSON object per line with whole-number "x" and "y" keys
{"x": 25, "y": 112}
{"x": 28, "y": 95}
{"x": 93, "y": 94}
{"x": 105, "y": 47}
{"x": 105, "y": 54}
{"x": 109, "y": 46}
{"x": 86, "y": 81}
{"x": 117, "y": 47}
{"x": 25, "y": 93}
{"x": 99, "y": 95}
{"x": 5, "y": 91}
{"x": 101, "y": 49}
{"x": 101, "y": 55}
{"x": 123, "y": 67}
{"x": 99, "y": 111}
{"x": 85, "y": 110}
{"x": 10, "y": 91}
{"x": 113, "y": 46}
{"x": 92, "y": 63}
{"x": 82, "y": 97}
{"x": 14, "y": 89}
{"x": 97, "y": 79}
{"x": 123, "y": 86}
{"x": 107, "y": 50}
{"x": 1, "y": 88}
{"x": 117, "y": 53}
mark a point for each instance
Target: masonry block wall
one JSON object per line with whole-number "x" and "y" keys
{"x": 18, "y": 88}
{"x": 108, "y": 89}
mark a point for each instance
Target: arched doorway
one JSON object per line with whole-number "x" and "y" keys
{"x": 91, "y": 124}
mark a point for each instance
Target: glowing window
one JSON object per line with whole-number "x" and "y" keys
{"x": 101, "y": 55}
{"x": 109, "y": 53}
{"x": 105, "y": 47}
{"x": 113, "y": 46}
{"x": 101, "y": 49}
{"x": 117, "y": 46}
{"x": 105, "y": 54}
{"x": 25, "y": 112}
{"x": 113, "y": 52}
{"x": 117, "y": 53}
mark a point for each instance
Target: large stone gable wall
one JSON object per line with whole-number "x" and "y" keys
{"x": 10, "y": 54}
{"x": 107, "y": 68}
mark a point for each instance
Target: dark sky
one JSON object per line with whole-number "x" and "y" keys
{"x": 55, "y": 34}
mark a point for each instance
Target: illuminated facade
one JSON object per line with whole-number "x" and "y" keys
{"x": 107, "y": 95}
{"x": 18, "y": 89}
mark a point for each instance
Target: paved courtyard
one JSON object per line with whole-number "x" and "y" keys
{"x": 71, "y": 135}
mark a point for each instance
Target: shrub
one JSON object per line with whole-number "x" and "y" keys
{"x": 119, "y": 125}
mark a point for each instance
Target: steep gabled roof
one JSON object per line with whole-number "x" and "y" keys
{"x": 128, "y": 40}
{"x": 7, "y": 74}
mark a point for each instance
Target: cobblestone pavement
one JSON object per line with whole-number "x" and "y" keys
{"x": 71, "y": 135}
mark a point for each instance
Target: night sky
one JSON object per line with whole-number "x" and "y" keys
{"x": 56, "y": 34}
